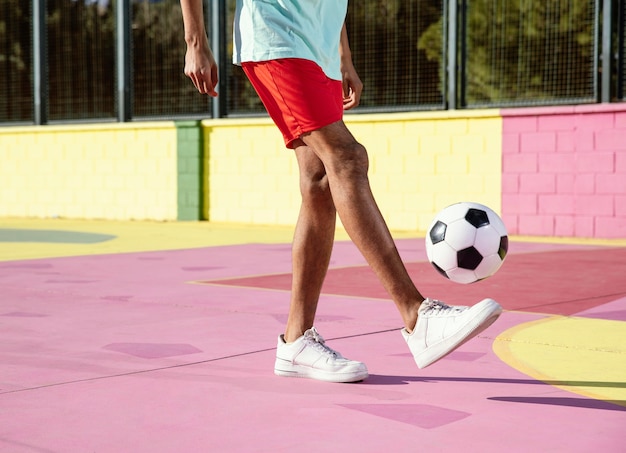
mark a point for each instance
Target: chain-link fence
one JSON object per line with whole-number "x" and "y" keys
{"x": 16, "y": 65}
{"x": 81, "y": 60}
{"x": 518, "y": 52}
{"x": 160, "y": 88}
{"x": 394, "y": 46}
{"x": 529, "y": 52}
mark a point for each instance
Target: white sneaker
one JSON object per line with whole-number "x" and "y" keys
{"x": 309, "y": 357}
{"x": 442, "y": 328}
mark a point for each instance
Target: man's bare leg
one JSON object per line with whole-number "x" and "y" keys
{"x": 346, "y": 164}
{"x": 312, "y": 243}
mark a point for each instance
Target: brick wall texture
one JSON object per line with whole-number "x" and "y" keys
{"x": 111, "y": 171}
{"x": 564, "y": 171}
{"x": 548, "y": 171}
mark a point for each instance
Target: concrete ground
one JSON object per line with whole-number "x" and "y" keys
{"x": 160, "y": 337}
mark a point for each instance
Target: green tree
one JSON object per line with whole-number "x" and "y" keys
{"x": 384, "y": 37}
{"x": 524, "y": 51}
{"x": 15, "y": 61}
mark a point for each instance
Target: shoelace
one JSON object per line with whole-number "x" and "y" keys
{"x": 436, "y": 307}
{"x": 317, "y": 341}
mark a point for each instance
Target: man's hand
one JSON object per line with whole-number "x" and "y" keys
{"x": 201, "y": 68}
{"x": 352, "y": 86}
{"x": 200, "y": 65}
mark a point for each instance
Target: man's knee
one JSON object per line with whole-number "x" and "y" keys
{"x": 314, "y": 185}
{"x": 349, "y": 160}
{"x": 339, "y": 150}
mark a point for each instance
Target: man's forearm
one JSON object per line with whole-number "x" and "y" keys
{"x": 193, "y": 20}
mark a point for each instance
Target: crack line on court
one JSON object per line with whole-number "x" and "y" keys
{"x": 569, "y": 301}
{"x": 180, "y": 365}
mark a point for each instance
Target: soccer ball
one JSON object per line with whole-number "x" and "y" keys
{"x": 467, "y": 242}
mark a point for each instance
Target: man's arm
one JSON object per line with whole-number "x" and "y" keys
{"x": 352, "y": 85}
{"x": 200, "y": 65}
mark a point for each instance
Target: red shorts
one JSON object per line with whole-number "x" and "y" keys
{"x": 297, "y": 94}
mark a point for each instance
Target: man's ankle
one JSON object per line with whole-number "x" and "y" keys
{"x": 410, "y": 319}
{"x": 291, "y": 335}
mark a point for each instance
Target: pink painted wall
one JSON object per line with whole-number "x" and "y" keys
{"x": 564, "y": 171}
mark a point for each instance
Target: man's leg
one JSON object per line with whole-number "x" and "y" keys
{"x": 432, "y": 328}
{"x": 302, "y": 351}
{"x": 312, "y": 242}
{"x": 346, "y": 164}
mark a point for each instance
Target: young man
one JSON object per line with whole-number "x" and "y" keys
{"x": 297, "y": 57}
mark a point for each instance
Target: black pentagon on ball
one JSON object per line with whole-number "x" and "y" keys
{"x": 504, "y": 247}
{"x": 440, "y": 270}
{"x": 438, "y": 232}
{"x": 477, "y": 217}
{"x": 468, "y": 258}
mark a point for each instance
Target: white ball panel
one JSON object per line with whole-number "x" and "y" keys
{"x": 487, "y": 240}
{"x": 497, "y": 223}
{"x": 488, "y": 266}
{"x": 460, "y": 234}
{"x": 443, "y": 256}
{"x": 453, "y": 212}
{"x": 464, "y": 276}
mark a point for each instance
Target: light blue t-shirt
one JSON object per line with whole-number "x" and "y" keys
{"x": 272, "y": 29}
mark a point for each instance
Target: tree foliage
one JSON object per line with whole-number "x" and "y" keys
{"x": 15, "y": 61}
{"x": 524, "y": 51}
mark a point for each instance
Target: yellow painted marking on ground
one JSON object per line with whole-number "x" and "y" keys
{"x": 136, "y": 237}
{"x": 580, "y": 355}
{"x": 141, "y": 236}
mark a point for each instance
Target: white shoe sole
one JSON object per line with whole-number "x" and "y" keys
{"x": 488, "y": 311}
{"x": 287, "y": 369}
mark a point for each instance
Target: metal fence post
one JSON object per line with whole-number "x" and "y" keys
{"x": 40, "y": 62}
{"x": 607, "y": 23}
{"x": 123, "y": 30}
{"x": 217, "y": 20}
{"x": 451, "y": 66}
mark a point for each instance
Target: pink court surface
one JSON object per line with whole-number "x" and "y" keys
{"x": 160, "y": 337}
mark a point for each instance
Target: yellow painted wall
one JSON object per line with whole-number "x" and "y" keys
{"x": 252, "y": 177}
{"x": 103, "y": 171}
{"x": 419, "y": 163}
